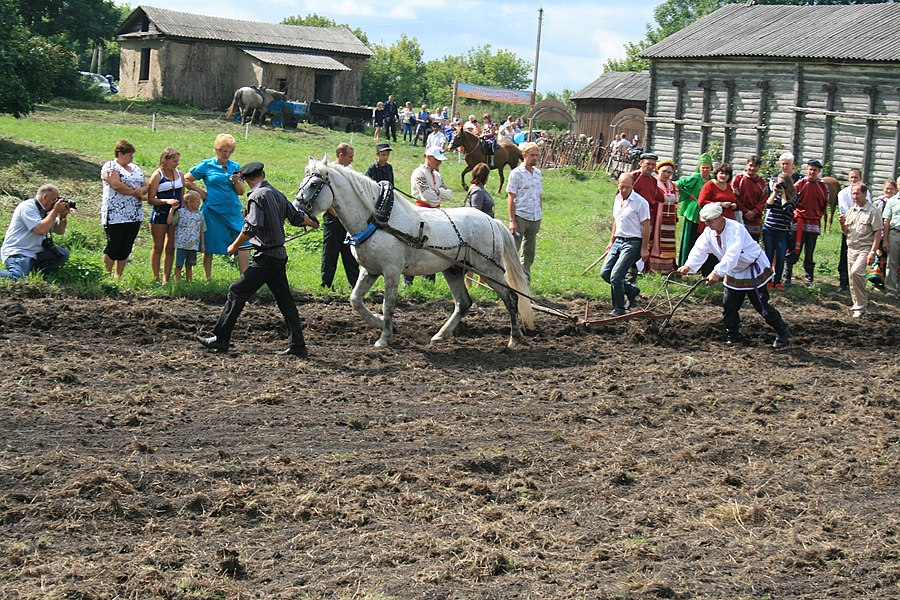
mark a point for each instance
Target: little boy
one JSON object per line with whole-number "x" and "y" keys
{"x": 189, "y": 229}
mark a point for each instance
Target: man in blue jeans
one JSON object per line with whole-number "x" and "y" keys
{"x": 27, "y": 246}
{"x": 629, "y": 242}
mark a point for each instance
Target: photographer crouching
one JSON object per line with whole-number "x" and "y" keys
{"x": 28, "y": 246}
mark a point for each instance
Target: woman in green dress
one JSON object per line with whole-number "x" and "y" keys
{"x": 688, "y": 192}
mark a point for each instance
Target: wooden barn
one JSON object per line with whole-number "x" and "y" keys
{"x": 613, "y": 103}
{"x": 819, "y": 81}
{"x": 203, "y": 60}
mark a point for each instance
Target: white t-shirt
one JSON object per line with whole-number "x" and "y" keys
{"x": 20, "y": 240}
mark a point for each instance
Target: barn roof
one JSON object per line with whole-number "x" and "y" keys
{"x": 849, "y": 32}
{"x": 294, "y": 58}
{"x": 617, "y": 85}
{"x": 172, "y": 23}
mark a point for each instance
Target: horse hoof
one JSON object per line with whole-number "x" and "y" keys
{"x": 381, "y": 344}
{"x": 438, "y": 340}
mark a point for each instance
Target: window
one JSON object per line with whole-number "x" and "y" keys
{"x": 281, "y": 84}
{"x": 145, "y": 64}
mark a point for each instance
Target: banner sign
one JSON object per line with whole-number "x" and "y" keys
{"x": 480, "y": 92}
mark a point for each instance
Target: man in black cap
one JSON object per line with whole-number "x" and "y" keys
{"x": 267, "y": 209}
{"x": 812, "y": 199}
{"x": 381, "y": 169}
{"x": 334, "y": 235}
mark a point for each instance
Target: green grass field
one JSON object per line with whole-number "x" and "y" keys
{"x": 65, "y": 143}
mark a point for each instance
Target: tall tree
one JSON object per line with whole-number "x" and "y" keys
{"x": 396, "y": 69}
{"x": 314, "y": 20}
{"x": 76, "y": 20}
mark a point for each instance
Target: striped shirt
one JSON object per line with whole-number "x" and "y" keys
{"x": 778, "y": 215}
{"x": 267, "y": 208}
{"x": 891, "y": 212}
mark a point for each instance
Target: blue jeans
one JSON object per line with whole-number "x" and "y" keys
{"x": 48, "y": 261}
{"x": 776, "y": 243}
{"x": 624, "y": 254}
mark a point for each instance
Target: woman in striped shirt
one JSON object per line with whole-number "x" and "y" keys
{"x": 777, "y": 225}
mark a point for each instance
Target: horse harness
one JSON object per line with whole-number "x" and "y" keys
{"x": 380, "y": 218}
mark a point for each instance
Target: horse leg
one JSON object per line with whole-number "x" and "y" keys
{"x": 510, "y": 300}
{"x": 500, "y": 172}
{"x": 357, "y": 298}
{"x": 391, "y": 283}
{"x": 455, "y": 277}
{"x": 462, "y": 177}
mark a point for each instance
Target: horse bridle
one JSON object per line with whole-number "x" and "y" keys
{"x": 323, "y": 180}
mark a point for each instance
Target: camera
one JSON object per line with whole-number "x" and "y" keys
{"x": 780, "y": 185}
{"x": 72, "y": 204}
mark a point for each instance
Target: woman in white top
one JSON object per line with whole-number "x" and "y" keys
{"x": 121, "y": 212}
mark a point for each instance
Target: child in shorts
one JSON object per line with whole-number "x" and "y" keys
{"x": 189, "y": 229}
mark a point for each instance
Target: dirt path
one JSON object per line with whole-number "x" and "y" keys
{"x": 589, "y": 464}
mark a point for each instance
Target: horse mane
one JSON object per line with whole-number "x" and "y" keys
{"x": 362, "y": 185}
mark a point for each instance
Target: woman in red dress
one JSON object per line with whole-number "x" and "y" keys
{"x": 719, "y": 191}
{"x": 663, "y": 249}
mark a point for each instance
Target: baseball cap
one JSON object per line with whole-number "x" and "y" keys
{"x": 435, "y": 152}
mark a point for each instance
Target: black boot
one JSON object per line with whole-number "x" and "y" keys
{"x": 782, "y": 337}
{"x": 733, "y": 337}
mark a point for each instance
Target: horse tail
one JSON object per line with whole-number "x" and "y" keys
{"x": 234, "y": 104}
{"x": 516, "y": 278}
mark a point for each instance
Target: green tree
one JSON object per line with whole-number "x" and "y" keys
{"x": 314, "y": 20}
{"x": 396, "y": 69}
{"x": 73, "y": 20}
{"x": 502, "y": 69}
{"x": 440, "y": 74}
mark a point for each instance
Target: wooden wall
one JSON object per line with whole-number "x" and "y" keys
{"x": 206, "y": 75}
{"x": 594, "y": 117}
{"x": 843, "y": 114}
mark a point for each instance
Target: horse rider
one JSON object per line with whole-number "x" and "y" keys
{"x": 489, "y": 138}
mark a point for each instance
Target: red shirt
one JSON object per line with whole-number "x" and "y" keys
{"x": 812, "y": 198}
{"x": 648, "y": 188}
{"x": 752, "y": 193}
{"x": 710, "y": 193}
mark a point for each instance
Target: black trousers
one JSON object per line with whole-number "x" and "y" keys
{"x": 843, "y": 271}
{"x": 333, "y": 236}
{"x": 808, "y": 247}
{"x": 263, "y": 270}
{"x": 390, "y": 126}
{"x": 734, "y": 299}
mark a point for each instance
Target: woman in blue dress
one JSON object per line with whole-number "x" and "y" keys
{"x": 221, "y": 202}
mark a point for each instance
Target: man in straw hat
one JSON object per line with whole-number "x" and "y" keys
{"x": 743, "y": 268}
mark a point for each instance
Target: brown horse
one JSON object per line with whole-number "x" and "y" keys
{"x": 505, "y": 153}
{"x": 834, "y": 186}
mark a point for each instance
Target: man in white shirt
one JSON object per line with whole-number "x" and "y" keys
{"x": 428, "y": 188}
{"x": 27, "y": 246}
{"x": 845, "y": 202}
{"x": 437, "y": 138}
{"x": 525, "y": 200}
{"x": 743, "y": 268}
{"x": 628, "y": 242}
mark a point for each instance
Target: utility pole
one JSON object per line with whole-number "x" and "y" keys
{"x": 537, "y": 58}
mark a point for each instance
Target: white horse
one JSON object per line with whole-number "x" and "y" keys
{"x": 417, "y": 241}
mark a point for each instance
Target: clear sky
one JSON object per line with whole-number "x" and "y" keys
{"x": 576, "y": 37}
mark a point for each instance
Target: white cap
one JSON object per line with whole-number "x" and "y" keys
{"x": 710, "y": 212}
{"x": 436, "y": 152}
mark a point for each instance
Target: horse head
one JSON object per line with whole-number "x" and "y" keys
{"x": 458, "y": 139}
{"x": 316, "y": 179}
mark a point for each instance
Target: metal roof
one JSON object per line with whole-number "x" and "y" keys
{"x": 868, "y": 32}
{"x": 617, "y": 85}
{"x": 294, "y": 58}
{"x": 172, "y": 23}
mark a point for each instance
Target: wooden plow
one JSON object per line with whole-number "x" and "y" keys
{"x": 661, "y": 307}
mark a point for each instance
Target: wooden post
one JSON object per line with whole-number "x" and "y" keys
{"x": 706, "y": 84}
{"x": 795, "y": 116}
{"x": 729, "y": 115}
{"x": 829, "y": 88}
{"x": 872, "y": 92}
{"x": 679, "y": 113}
{"x": 651, "y": 110}
{"x": 761, "y": 115}
{"x": 895, "y": 164}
